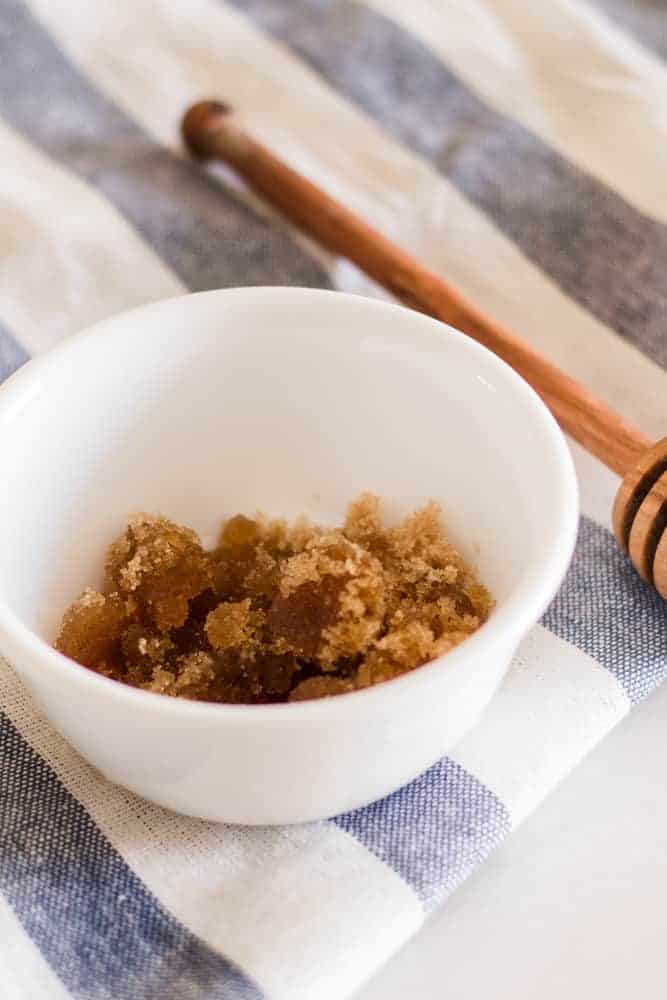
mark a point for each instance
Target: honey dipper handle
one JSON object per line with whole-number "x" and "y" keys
{"x": 211, "y": 131}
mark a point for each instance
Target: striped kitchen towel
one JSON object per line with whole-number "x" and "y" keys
{"x": 520, "y": 149}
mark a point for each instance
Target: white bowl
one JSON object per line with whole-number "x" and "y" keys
{"x": 292, "y": 401}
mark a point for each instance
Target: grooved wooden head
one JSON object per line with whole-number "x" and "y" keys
{"x": 640, "y": 516}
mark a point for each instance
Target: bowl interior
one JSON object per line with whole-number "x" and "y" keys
{"x": 287, "y": 400}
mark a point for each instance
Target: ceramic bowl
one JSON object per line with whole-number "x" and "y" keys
{"x": 291, "y": 401}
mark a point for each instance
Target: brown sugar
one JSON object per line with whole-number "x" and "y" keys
{"x": 92, "y": 629}
{"x": 233, "y": 625}
{"x": 275, "y": 612}
{"x": 162, "y": 565}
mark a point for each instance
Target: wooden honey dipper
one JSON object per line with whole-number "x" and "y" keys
{"x": 211, "y": 132}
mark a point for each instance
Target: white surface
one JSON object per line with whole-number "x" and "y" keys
{"x": 573, "y": 904}
{"x": 555, "y": 703}
{"x": 24, "y": 972}
{"x": 294, "y": 401}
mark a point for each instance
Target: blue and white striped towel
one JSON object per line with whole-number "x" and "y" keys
{"x": 519, "y": 149}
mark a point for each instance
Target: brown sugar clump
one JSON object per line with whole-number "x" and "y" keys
{"x": 162, "y": 565}
{"x": 397, "y": 652}
{"x": 320, "y": 687}
{"x": 232, "y": 625}
{"x": 276, "y": 612}
{"x": 92, "y": 629}
{"x": 246, "y": 561}
{"x": 271, "y": 675}
{"x": 361, "y": 613}
{"x": 142, "y": 651}
{"x": 189, "y": 676}
{"x": 296, "y": 623}
{"x": 331, "y": 601}
{"x": 363, "y": 523}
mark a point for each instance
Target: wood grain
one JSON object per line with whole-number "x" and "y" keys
{"x": 660, "y": 566}
{"x": 635, "y": 487}
{"x": 648, "y": 527}
{"x": 211, "y": 131}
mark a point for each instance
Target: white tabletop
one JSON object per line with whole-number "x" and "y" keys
{"x": 573, "y": 904}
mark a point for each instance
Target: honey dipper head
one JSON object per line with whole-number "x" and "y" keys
{"x": 640, "y": 516}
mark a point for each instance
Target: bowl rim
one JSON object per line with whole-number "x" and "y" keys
{"x": 519, "y": 611}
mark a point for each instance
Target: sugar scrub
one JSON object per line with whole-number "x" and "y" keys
{"x": 275, "y": 612}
